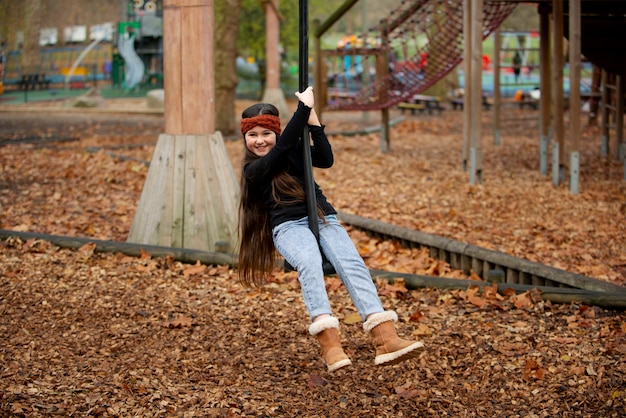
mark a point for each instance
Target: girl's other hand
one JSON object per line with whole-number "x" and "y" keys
{"x": 306, "y": 97}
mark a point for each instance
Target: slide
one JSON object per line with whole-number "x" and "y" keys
{"x": 135, "y": 67}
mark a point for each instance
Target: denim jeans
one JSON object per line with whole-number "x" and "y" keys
{"x": 297, "y": 244}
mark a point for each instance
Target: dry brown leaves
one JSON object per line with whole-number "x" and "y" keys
{"x": 92, "y": 334}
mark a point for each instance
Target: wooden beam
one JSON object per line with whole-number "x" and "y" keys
{"x": 328, "y": 23}
{"x": 185, "y": 255}
{"x": 552, "y": 294}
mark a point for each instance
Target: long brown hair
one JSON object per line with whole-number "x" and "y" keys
{"x": 257, "y": 255}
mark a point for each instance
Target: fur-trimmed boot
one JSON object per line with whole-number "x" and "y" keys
{"x": 327, "y": 332}
{"x": 390, "y": 349}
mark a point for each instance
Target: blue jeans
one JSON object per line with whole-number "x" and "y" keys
{"x": 297, "y": 244}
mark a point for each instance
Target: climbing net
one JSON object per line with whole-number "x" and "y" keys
{"x": 415, "y": 46}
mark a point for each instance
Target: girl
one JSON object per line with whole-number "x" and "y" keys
{"x": 273, "y": 215}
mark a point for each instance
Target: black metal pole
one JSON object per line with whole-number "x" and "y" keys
{"x": 309, "y": 182}
{"x": 303, "y": 83}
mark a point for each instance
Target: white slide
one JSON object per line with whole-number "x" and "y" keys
{"x": 134, "y": 65}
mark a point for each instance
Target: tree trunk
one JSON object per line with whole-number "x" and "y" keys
{"x": 31, "y": 58}
{"x": 226, "y": 30}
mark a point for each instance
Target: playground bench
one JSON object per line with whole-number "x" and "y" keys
{"x": 34, "y": 81}
{"x": 430, "y": 102}
{"x": 338, "y": 95}
{"x": 458, "y": 103}
{"x": 411, "y": 106}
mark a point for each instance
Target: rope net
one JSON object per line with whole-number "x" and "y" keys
{"x": 423, "y": 43}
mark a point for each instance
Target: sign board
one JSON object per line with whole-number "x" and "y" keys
{"x": 48, "y": 36}
{"x": 75, "y": 34}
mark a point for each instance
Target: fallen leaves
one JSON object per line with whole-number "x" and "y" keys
{"x": 130, "y": 343}
{"x": 407, "y": 391}
{"x": 532, "y": 370}
{"x": 108, "y": 335}
{"x": 352, "y": 318}
{"x": 315, "y": 381}
{"x": 393, "y": 289}
{"x": 196, "y": 269}
{"x": 181, "y": 322}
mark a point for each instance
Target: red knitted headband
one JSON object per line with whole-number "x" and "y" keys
{"x": 270, "y": 122}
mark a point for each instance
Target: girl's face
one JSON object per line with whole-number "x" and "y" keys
{"x": 260, "y": 140}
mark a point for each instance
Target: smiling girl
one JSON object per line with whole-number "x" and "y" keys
{"x": 273, "y": 217}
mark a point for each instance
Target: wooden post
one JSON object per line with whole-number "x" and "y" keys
{"x": 319, "y": 71}
{"x": 545, "y": 87}
{"x": 474, "y": 104}
{"x": 382, "y": 71}
{"x": 188, "y": 66}
{"x": 619, "y": 119}
{"x": 273, "y": 93}
{"x": 191, "y": 193}
{"x": 574, "y": 95}
{"x": 467, "y": 87}
{"x": 497, "y": 97}
{"x": 558, "y": 143}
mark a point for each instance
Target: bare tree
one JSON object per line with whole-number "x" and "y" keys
{"x": 31, "y": 58}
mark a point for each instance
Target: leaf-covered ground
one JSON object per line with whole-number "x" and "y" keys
{"x": 98, "y": 334}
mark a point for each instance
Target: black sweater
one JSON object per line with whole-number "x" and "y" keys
{"x": 287, "y": 155}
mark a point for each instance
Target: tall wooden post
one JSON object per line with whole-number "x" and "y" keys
{"x": 545, "y": 87}
{"x": 191, "y": 194}
{"x": 273, "y": 93}
{"x": 619, "y": 120}
{"x": 473, "y": 103}
{"x": 467, "y": 85}
{"x": 574, "y": 95}
{"x": 188, "y": 63}
{"x": 558, "y": 142}
{"x": 382, "y": 62}
{"x": 497, "y": 97}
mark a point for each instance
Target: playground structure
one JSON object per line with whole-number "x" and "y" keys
{"x": 134, "y": 65}
{"x": 419, "y": 43}
{"x": 176, "y": 130}
{"x": 422, "y": 41}
{"x": 132, "y": 57}
{"x": 56, "y": 63}
{"x": 412, "y": 49}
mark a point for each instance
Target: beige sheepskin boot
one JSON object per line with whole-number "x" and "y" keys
{"x": 390, "y": 349}
{"x": 327, "y": 332}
